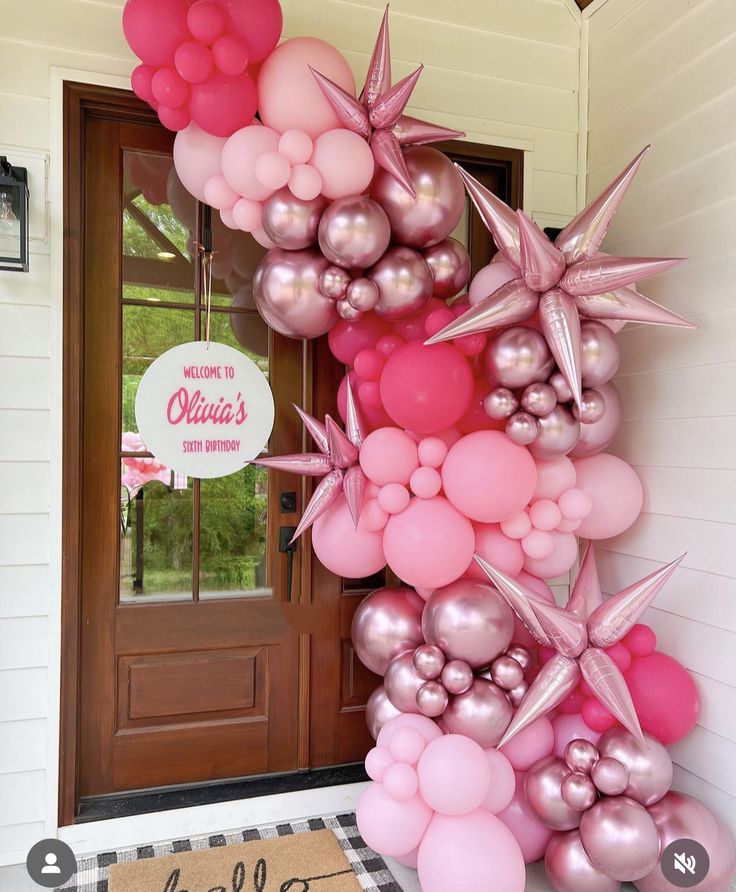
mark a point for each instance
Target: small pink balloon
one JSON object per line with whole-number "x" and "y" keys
{"x": 533, "y": 743}
{"x": 457, "y": 677}
{"x": 545, "y": 514}
{"x": 393, "y": 498}
{"x": 578, "y": 791}
{"x": 169, "y": 88}
{"x": 363, "y": 294}
{"x": 538, "y": 545}
{"x": 494, "y": 546}
{"x": 389, "y": 455}
{"x": 377, "y": 761}
{"x": 176, "y": 119}
{"x": 575, "y": 504}
{"x": 610, "y": 776}
{"x": 247, "y": 214}
{"x": 401, "y": 782}
{"x": 429, "y": 661}
{"x": 426, "y": 483}
{"x": 272, "y": 170}
{"x": 503, "y": 783}
{"x": 432, "y": 452}
{"x": 554, "y": 477}
{"x": 218, "y": 194}
{"x": 391, "y": 827}
{"x": 193, "y": 61}
{"x": 432, "y": 699}
{"x": 344, "y": 161}
{"x": 517, "y": 527}
{"x": 140, "y": 81}
{"x": 426, "y": 727}
{"x": 373, "y": 517}
{"x": 305, "y": 182}
{"x": 296, "y": 145}
{"x": 369, "y": 364}
{"x": 230, "y": 54}
{"x": 640, "y": 641}
{"x": 563, "y": 556}
{"x": 239, "y": 157}
{"x": 454, "y": 775}
{"x": 580, "y": 755}
{"x": 489, "y": 279}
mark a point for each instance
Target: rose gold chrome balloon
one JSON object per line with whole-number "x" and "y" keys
{"x": 379, "y": 710}
{"x": 648, "y": 763}
{"x": 569, "y": 869}
{"x": 543, "y": 789}
{"x": 620, "y": 838}
{"x": 482, "y": 713}
{"x": 386, "y": 623}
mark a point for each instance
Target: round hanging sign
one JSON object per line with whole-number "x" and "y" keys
{"x": 205, "y": 410}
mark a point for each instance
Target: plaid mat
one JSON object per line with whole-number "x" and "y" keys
{"x": 370, "y": 869}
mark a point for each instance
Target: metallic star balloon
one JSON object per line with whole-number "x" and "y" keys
{"x": 578, "y": 634}
{"x": 562, "y": 281}
{"x": 378, "y": 116}
{"x": 336, "y": 462}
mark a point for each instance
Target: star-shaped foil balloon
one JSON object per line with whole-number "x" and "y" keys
{"x": 336, "y": 462}
{"x": 378, "y": 116}
{"x": 579, "y": 634}
{"x": 565, "y": 280}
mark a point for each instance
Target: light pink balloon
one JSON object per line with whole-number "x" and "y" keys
{"x": 218, "y": 193}
{"x": 617, "y": 495}
{"x": 462, "y": 854}
{"x": 496, "y": 548}
{"x": 377, "y": 761}
{"x": 197, "y": 158}
{"x": 487, "y": 477}
{"x": 503, "y": 783}
{"x": 344, "y": 161}
{"x": 489, "y": 279}
{"x": 305, "y": 182}
{"x": 533, "y": 743}
{"x": 554, "y": 477}
{"x": 289, "y": 96}
{"x": 272, "y": 170}
{"x": 409, "y": 860}
{"x": 239, "y": 157}
{"x": 571, "y": 727}
{"x": 430, "y": 544}
{"x": 426, "y": 483}
{"x": 296, "y": 145}
{"x": 530, "y": 833}
{"x": 344, "y": 550}
{"x": 389, "y": 455}
{"x": 426, "y": 727}
{"x": 559, "y": 562}
{"x": 390, "y": 827}
{"x": 454, "y": 775}
{"x": 400, "y": 781}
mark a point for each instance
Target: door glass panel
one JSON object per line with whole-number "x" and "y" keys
{"x": 159, "y": 219}
{"x": 155, "y": 533}
{"x": 246, "y": 332}
{"x": 237, "y": 254}
{"x": 233, "y": 535}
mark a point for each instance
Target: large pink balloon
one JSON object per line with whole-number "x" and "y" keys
{"x": 454, "y": 775}
{"x": 386, "y": 623}
{"x": 529, "y": 832}
{"x": 429, "y": 544}
{"x": 616, "y": 492}
{"x": 390, "y": 827}
{"x": 197, "y": 158}
{"x": 426, "y": 389}
{"x": 344, "y": 550}
{"x": 289, "y": 96}
{"x": 489, "y": 279}
{"x": 285, "y": 288}
{"x": 258, "y": 23}
{"x": 487, "y": 477}
{"x": 155, "y": 29}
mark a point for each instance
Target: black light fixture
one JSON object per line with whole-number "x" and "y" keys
{"x": 13, "y": 217}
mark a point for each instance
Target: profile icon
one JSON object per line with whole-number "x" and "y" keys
{"x": 51, "y": 866}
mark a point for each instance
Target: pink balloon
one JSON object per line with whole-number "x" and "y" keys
{"x": 296, "y": 145}
{"x": 289, "y": 96}
{"x": 432, "y": 452}
{"x": 390, "y": 827}
{"x": 347, "y": 339}
{"x": 400, "y": 781}
{"x": 239, "y": 158}
{"x": 426, "y": 483}
{"x": 409, "y": 860}
{"x": 230, "y": 54}
{"x": 206, "y": 20}
{"x": 176, "y": 119}
{"x": 379, "y": 710}
{"x": 221, "y": 105}
{"x": 140, "y": 81}
{"x": 617, "y": 495}
{"x": 464, "y": 854}
{"x": 386, "y": 623}
{"x": 218, "y": 194}
{"x": 529, "y": 832}
{"x": 495, "y": 547}
{"x": 563, "y": 556}
{"x": 426, "y": 389}
{"x": 571, "y": 727}
{"x": 344, "y": 550}
{"x": 305, "y": 182}
{"x": 599, "y": 435}
{"x": 489, "y": 279}
{"x": 193, "y": 61}
{"x": 503, "y": 783}
{"x": 545, "y": 514}
{"x": 664, "y": 695}
{"x": 487, "y": 477}
{"x": 155, "y": 28}
{"x": 575, "y": 504}
{"x": 169, "y": 88}
{"x": 454, "y": 775}
{"x": 389, "y": 455}
{"x": 426, "y": 727}
{"x": 554, "y": 477}
{"x": 248, "y": 215}
{"x": 393, "y": 498}
{"x": 430, "y": 544}
{"x": 272, "y": 170}
{"x": 344, "y": 161}
{"x": 197, "y": 158}
{"x": 258, "y": 23}
{"x": 377, "y": 761}
{"x": 531, "y": 744}
{"x": 407, "y": 745}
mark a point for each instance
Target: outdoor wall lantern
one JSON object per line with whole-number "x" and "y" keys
{"x": 13, "y": 217}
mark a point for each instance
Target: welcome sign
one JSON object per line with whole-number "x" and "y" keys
{"x": 205, "y": 410}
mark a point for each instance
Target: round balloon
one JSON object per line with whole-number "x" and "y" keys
{"x": 386, "y": 623}
{"x": 665, "y": 696}
{"x": 543, "y": 788}
{"x": 404, "y": 282}
{"x": 291, "y": 223}
{"x": 454, "y": 775}
{"x": 598, "y": 436}
{"x": 617, "y": 495}
{"x": 449, "y": 262}
{"x": 354, "y": 232}
{"x": 620, "y": 838}
{"x": 569, "y": 869}
{"x": 649, "y": 764}
{"x": 482, "y": 713}
{"x": 378, "y": 711}
{"x": 530, "y": 833}
{"x": 344, "y": 550}
{"x": 388, "y": 826}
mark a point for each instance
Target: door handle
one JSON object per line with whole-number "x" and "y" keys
{"x": 287, "y": 547}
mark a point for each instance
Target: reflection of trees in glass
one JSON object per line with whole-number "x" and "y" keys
{"x": 139, "y": 243}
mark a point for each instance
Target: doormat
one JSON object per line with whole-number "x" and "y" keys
{"x": 298, "y": 868}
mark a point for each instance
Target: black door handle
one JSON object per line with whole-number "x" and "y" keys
{"x": 287, "y": 547}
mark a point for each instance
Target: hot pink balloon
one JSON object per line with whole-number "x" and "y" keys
{"x": 344, "y": 550}
{"x": 288, "y": 95}
{"x": 347, "y": 339}
{"x": 388, "y": 826}
{"x": 616, "y": 492}
{"x": 665, "y": 696}
{"x": 155, "y": 28}
{"x": 258, "y": 23}
{"x": 221, "y": 104}
{"x": 430, "y": 544}
{"x": 462, "y": 853}
{"x": 454, "y": 775}
{"x": 487, "y": 477}
{"x": 426, "y": 389}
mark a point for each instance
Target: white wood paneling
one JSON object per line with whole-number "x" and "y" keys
{"x": 24, "y": 435}
{"x": 24, "y": 487}
{"x": 23, "y": 642}
{"x": 24, "y": 590}
{"x": 22, "y": 746}
{"x": 661, "y": 71}
{"x": 23, "y": 693}
{"x": 22, "y": 796}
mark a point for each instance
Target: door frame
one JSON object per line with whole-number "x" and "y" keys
{"x": 76, "y": 94}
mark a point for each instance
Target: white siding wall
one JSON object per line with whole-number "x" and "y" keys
{"x": 661, "y": 71}
{"x": 506, "y": 72}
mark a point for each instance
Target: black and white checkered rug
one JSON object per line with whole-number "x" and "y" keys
{"x": 370, "y": 869}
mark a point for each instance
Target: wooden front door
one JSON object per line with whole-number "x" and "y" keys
{"x": 189, "y": 653}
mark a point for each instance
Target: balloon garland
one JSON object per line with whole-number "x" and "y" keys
{"x": 471, "y": 459}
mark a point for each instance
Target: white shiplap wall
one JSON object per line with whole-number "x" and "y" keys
{"x": 504, "y": 71}
{"x": 662, "y": 71}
